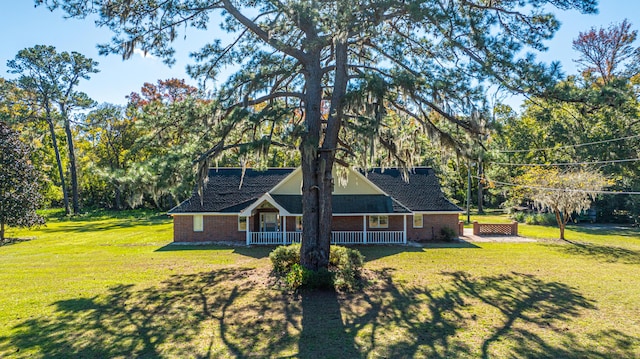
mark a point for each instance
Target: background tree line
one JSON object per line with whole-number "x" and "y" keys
{"x": 145, "y": 153}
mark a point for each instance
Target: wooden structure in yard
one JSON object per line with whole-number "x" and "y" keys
{"x": 507, "y": 229}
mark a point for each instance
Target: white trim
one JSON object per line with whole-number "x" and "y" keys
{"x": 413, "y": 220}
{"x": 265, "y": 197}
{"x": 246, "y": 223}
{"x": 281, "y": 183}
{"x": 379, "y": 226}
{"x": 404, "y": 229}
{"x": 198, "y": 225}
{"x": 369, "y": 182}
{"x": 367, "y": 214}
{"x": 206, "y": 214}
{"x": 300, "y": 214}
{"x": 284, "y": 230}
{"x": 437, "y": 212}
{"x": 364, "y": 229}
{"x": 398, "y": 202}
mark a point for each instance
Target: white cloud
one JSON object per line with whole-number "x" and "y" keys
{"x": 143, "y": 54}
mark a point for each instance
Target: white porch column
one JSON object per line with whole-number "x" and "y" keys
{"x": 247, "y": 231}
{"x": 364, "y": 229}
{"x": 284, "y": 230}
{"x": 404, "y": 230}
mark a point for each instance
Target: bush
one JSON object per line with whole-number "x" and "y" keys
{"x": 448, "y": 234}
{"x": 284, "y": 257}
{"x": 345, "y": 267}
{"x": 544, "y": 219}
{"x": 347, "y": 264}
{"x": 519, "y": 217}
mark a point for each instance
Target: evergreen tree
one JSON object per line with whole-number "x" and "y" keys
{"x": 19, "y": 188}
{"x": 52, "y": 78}
{"x": 341, "y": 66}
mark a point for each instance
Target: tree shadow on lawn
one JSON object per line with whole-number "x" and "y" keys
{"x": 84, "y": 225}
{"x": 599, "y": 252}
{"x": 257, "y": 252}
{"x": 237, "y": 312}
{"x": 606, "y": 230}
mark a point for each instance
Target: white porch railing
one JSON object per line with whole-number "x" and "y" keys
{"x": 294, "y": 237}
{"x": 385, "y": 237}
{"x": 337, "y": 237}
{"x": 265, "y": 238}
{"x": 347, "y": 237}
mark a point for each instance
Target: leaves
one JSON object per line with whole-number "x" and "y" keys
{"x": 19, "y": 187}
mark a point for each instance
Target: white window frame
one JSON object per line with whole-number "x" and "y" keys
{"x": 198, "y": 223}
{"x": 418, "y": 216}
{"x": 374, "y": 221}
{"x": 242, "y": 220}
{"x": 298, "y": 223}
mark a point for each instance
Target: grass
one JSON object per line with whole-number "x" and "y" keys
{"x": 107, "y": 285}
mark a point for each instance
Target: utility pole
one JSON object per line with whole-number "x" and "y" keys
{"x": 468, "y": 191}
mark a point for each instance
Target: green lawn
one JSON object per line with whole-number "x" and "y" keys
{"x": 106, "y": 286}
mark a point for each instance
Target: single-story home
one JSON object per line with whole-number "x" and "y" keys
{"x": 265, "y": 207}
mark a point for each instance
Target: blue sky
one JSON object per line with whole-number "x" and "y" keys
{"x": 22, "y": 25}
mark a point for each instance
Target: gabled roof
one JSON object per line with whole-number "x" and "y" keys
{"x": 223, "y": 193}
{"x": 344, "y": 204}
{"x": 421, "y": 194}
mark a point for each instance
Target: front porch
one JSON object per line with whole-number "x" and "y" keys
{"x": 337, "y": 237}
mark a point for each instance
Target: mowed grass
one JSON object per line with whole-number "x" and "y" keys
{"x": 111, "y": 286}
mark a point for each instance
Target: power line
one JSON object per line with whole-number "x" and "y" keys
{"x": 569, "y": 146}
{"x": 564, "y": 163}
{"x": 560, "y": 189}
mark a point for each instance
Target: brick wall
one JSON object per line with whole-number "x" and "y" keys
{"x": 432, "y": 225}
{"x": 216, "y": 228}
{"x": 225, "y": 228}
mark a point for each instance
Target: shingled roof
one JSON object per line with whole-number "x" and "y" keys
{"x": 421, "y": 193}
{"x": 223, "y": 193}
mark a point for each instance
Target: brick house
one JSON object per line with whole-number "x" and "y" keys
{"x": 265, "y": 207}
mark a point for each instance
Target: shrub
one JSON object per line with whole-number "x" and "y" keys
{"x": 448, "y": 234}
{"x": 347, "y": 264}
{"x": 345, "y": 267}
{"x": 284, "y": 257}
{"x": 295, "y": 276}
{"x": 546, "y": 219}
{"x": 530, "y": 219}
{"x": 519, "y": 216}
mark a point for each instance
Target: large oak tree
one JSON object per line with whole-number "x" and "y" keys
{"x": 341, "y": 66}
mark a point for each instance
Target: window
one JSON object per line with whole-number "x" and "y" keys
{"x": 242, "y": 224}
{"x": 417, "y": 221}
{"x": 299, "y": 223}
{"x": 198, "y": 223}
{"x": 378, "y": 221}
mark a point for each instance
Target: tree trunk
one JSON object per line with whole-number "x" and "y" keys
{"x": 54, "y": 141}
{"x": 72, "y": 166}
{"x": 2, "y": 231}
{"x": 317, "y": 162}
{"x": 560, "y": 221}
{"x": 118, "y": 195}
{"x": 480, "y": 186}
{"x": 314, "y": 253}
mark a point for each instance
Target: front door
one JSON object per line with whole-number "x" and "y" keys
{"x": 268, "y": 222}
